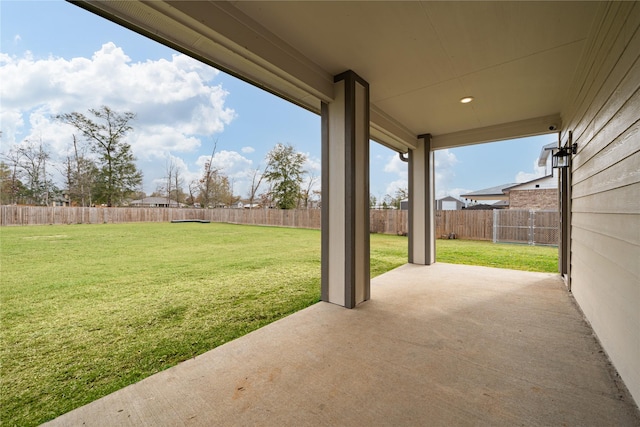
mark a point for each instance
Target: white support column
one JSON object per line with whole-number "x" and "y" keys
{"x": 422, "y": 239}
{"x": 345, "y": 192}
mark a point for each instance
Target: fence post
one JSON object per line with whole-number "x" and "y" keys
{"x": 495, "y": 225}
{"x": 531, "y": 226}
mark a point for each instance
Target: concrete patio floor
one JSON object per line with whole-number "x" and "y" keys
{"x": 443, "y": 345}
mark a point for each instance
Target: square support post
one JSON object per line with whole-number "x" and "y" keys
{"x": 345, "y": 193}
{"x": 422, "y": 241}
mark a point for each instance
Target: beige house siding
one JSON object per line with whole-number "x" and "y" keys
{"x": 605, "y": 192}
{"x": 543, "y": 199}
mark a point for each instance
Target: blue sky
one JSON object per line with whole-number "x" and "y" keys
{"x": 57, "y": 58}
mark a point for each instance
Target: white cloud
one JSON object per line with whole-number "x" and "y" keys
{"x": 453, "y": 192}
{"x": 312, "y": 164}
{"x": 157, "y": 141}
{"x": 232, "y": 164}
{"x": 445, "y": 159}
{"x": 180, "y": 166}
{"x": 173, "y": 99}
{"x": 396, "y": 185}
{"x": 247, "y": 150}
{"x": 395, "y": 165}
{"x": 538, "y": 172}
{"x": 17, "y": 39}
{"x": 445, "y": 162}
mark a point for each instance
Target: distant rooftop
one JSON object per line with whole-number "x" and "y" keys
{"x": 492, "y": 193}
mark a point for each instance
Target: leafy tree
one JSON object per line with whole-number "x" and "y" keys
{"x": 394, "y": 202}
{"x": 214, "y": 188}
{"x": 284, "y": 173}
{"x": 401, "y": 194}
{"x": 11, "y": 188}
{"x": 118, "y": 175}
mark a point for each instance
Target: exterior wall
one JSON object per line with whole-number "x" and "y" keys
{"x": 605, "y": 186}
{"x": 538, "y": 200}
{"x": 540, "y": 183}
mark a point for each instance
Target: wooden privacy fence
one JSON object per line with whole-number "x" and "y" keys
{"x": 463, "y": 224}
{"x": 42, "y": 215}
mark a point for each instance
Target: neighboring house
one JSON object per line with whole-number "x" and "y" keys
{"x": 537, "y": 194}
{"x": 246, "y": 205}
{"x": 62, "y": 199}
{"x": 496, "y": 193}
{"x": 449, "y": 203}
{"x": 154, "y": 202}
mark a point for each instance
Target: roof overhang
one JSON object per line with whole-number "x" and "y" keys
{"x": 518, "y": 59}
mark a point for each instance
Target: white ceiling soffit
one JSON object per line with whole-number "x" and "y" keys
{"x": 517, "y": 59}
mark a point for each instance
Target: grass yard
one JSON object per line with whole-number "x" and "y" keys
{"x": 89, "y": 309}
{"x": 502, "y": 255}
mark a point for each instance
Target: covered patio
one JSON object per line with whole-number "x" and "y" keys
{"x": 436, "y": 345}
{"x": 433, "y": 345}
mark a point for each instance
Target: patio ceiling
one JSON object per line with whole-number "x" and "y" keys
{"x": 517, "y": 59}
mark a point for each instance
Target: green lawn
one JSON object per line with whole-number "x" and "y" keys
{"x": 88, "y": 309}
{"x": 504, "y": 255}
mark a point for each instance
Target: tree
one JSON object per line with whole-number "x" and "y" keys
{"x": 307, "y": 193}
{"x": 207, "y": 184}
{"x": 284, "y": 173}
{"x": 394, "y": 202}
{"x": 79, "y": 173}
{"x": 193, "y": 189}
{"x": 256, "y": 180}
{"x": 171, "y": 171}
{"x": 214, "y": 188}
{"x": 118, "y": 176}
{"x": 178, "y": 182}
{"x": 11, "y": 188}
{"x": 401, "y": 194}
{"x": 31, "y": 158}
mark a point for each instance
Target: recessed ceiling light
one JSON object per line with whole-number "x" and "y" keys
{"x": 466, "y": 99}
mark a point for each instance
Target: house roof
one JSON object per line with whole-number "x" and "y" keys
{"x": 153, "y": 201}
{"x": 517, "y": 59}
{"x": 522, "y": 184}
{"x": 491, "y": 193}
{"x": 545, "y": 152}
{"x": 450, "y": 199}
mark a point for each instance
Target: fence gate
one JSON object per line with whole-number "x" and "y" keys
{"x": 526, "y": 226}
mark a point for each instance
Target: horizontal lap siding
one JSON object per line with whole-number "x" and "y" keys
{"x": 605, "y": 194}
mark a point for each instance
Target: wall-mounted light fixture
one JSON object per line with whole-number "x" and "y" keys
{"x": 561, "y": 157}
